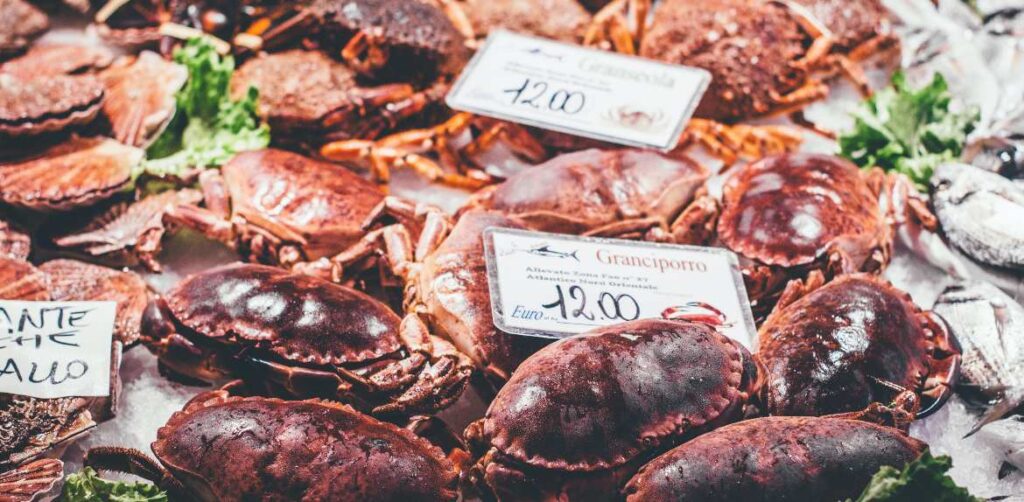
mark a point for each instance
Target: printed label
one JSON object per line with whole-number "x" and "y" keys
{"x": 580, "y": 91}
{"x": 554, "y": 285}
{"x": 56, "y": 349}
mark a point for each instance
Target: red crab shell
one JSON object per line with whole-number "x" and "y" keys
{"x": 564, "y": 20}
{"x": 58, "y": 59}
{"x": 584, "y": 191}
{"x": 852, "y": 22}
{"x": 579, "y": 416}
{"x": 47, "y": 104}
{"x": 141, "y": 97}
{"x": 453, "y": 292}
{"x": 775, "y": 458}
{"x": 76, "y": 173}
{"x": 283, "y": 313}
{"x": 840, "y": 348}
{"x": 20, "y": 24}
{"x": 236, "y": 448}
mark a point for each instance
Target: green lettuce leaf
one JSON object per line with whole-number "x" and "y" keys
{"x": 922, "y": 479}
{"x": 208, "y": 127}
{"x": 87, "y": 486}
{"x": 907, "y": 130}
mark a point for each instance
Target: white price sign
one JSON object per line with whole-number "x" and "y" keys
{"x": 56, "y": 349}
{"x": 555, "y": 285}
{"x": 580, "y": 91}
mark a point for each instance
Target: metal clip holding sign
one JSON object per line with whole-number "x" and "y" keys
{"x": 581, "y": 91}
{"x": 555, "y": 285}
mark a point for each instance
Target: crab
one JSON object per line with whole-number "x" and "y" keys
{"x": 791, "y": 214}
{"x": 837, "y": 347}
{"x": 47, "y": 104}
{"x": 307, "y": 96}
{"x": 141, "y": 97}
{"x": 233, "y": 448}
{"x": 302, "y": 336}
{"x": 283, "y": 208}
{"x": 127, "y": 232}
{"x": 20, "y": 24}
{"x": 59, "y": 59}
{"x": 30, "y": 481}
{"x": 76, "y": 173}
{"x": 776, "y": 458}
{"x": 621, "y": 193}
{"x": 579, "y": 417}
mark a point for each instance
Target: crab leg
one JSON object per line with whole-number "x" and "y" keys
{"x": 457, "y": 15}
{"x": 364, "y": 53}
{"x": 822, "y": 36}
{"x": 728, "y": 142}
{"x": 517, "y": 138}
{"x": 610, "y": 24}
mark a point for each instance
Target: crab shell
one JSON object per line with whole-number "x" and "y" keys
{"x": 598, "y": 192}
{"x": 790, "y": 214}
{"x": 422, "y": 43}
{"x": 14, "y": 243}
{"x": 827, "y": 351}
{"x": 298, "y": 335}
{"x": 581, "y": 415}
{"x": 852, "y": 22}
{"x": 318, "y": 205}
{"x": 563, "y": 20}
{"x": 47, "y": 104}
{"x": 452, "y": 292}
{"x": 750, "y": 48}
{"x": 20, "y": 24}
{"x": 775, "y": 459}
{"x": 73, "y": 174}
{"x": 235, "y": 449}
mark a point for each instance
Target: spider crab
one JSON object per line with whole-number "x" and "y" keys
{"x": 620, "y": 193}
{"x": 779, "y": 458}
{"x": 302, "y": 336}
{"x": 222, "y": 447}
{"x": 579, "y": 417}
{"x": 788, "y": 215}
{"x": 837, "y": 347}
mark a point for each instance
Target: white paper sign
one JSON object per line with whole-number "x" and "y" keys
{"x": 556, "y": 285}
{"x": 56, "y": 349}
{"x": 580, "y": 91}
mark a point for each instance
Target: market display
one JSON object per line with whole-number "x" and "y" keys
{"x": 291, "y": 226}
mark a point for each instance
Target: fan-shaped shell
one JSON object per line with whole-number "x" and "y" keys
{"x": 256, "y": 448}
{"x": 19, "y": 280}
{"x": 298, "y": 317}
{"x": 47, "y": 104}
{"x": 600, "y": 399}
{"x": 141, "y": 97}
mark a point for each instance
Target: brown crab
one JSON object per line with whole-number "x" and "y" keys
{"x": 788, "y": 215}
{"x": 775, "y": 459}
{"x": 579, "y": 417}
{"x": 59, "y": 59}
{"x": 46, "y": 104}
{"x": 841, "y": 346}
{"x": 231, "y": 448}
{"x": 76, "y": 173}
{"x": 30, "y": 481}
{"x": 141, "y": 97}
{"x": 622, "y": 193}
{"x": 20, "y": 24}
{"x": 303, "y": 336}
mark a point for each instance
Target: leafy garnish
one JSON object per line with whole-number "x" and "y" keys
{"x": 87, "y": 486}
{"x": 909, "y": 131}
{"x": 922, "y": 479}
{"x": 208, "y": 127}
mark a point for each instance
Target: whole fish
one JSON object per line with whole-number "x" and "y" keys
{"x": 990, "y": 328}
{"x": 981, "y": 213}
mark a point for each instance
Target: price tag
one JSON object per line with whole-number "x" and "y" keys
{"x": 56, "y": 349}
{"x": 580, "y": 91}
{"x": 554, "y": 285}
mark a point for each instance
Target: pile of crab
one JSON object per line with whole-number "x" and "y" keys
{"x": 352, "y": 316}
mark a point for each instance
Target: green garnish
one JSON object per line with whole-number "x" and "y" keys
{"x": 909, "y": 131}
{"x": 922, "y": 479}
{"x": 87, "y": 486}
{"x": 208, "y": 127}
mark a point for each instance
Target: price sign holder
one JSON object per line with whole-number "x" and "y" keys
{"x": 553, "y": 285}
{"x": 580, "y": 91}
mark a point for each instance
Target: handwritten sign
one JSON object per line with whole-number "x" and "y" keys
{"x": 553, "y": 285}
{"x": 56, "y": 349}
{"x": 581, "y": 91}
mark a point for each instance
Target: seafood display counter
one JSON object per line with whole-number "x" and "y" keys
{"x": 269, "y": 223}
